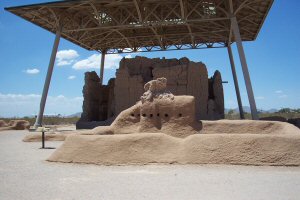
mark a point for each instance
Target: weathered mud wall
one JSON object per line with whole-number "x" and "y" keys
{"x": 215, "y": 104}
{"x": 98, "y": 99}
{"x": 184, "y": 78}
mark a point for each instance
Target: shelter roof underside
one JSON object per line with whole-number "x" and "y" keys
{"x": 118, "y": 26}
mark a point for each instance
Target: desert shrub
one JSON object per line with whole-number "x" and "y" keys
{"x": 48, "y": 120}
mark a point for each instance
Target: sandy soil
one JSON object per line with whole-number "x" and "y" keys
{"x": 24, "y": 174}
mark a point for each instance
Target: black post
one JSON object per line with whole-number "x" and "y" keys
{"x": 43, "y": 139}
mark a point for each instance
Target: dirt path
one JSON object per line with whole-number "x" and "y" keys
{"x": 25, "y": 175}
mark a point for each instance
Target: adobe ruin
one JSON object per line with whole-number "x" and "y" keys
{"x": 102, "y": 103}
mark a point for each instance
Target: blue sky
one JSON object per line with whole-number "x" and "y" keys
{"x": 273, "y": 60}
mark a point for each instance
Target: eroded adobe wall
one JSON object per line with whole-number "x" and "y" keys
{"x": 184, "y": 77}
{"x": 215, "y": 104}
{"x": 98, "y": 99}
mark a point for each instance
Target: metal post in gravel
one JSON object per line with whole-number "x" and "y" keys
{"x": 43, "y": 139}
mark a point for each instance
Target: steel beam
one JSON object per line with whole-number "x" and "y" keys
{"x": 243, "y": 61}
{"x": 145, "y": 25}
{"x": 102, "y": 66}
{"x": 39, "y": 119}
{"x": 236, "y": 84}
{"x": 138, "y": 10}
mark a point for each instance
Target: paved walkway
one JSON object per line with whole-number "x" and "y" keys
{"x": 24, "y": 174}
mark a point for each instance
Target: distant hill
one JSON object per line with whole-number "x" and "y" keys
{"x": 75, "y": 115}
{"x": 248, "y": 110}
{"x": 272, "y": 110}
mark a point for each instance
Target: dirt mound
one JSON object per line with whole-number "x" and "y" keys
{"x": 247, "y": 127}
{"x": 37, "y": 137}
{"x": 16, "y": 125}
{"x": 3, "y": 123}
{"x": 243, "y": 142}
{"x": 243, "y": 149}
{"x": 19, "y": 124}
{"x": 50, "y": 136}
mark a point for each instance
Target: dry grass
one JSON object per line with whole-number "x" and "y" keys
{"x": 248, "y": 115}
{"x": 55, "y": 120}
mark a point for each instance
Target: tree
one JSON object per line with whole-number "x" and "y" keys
{"x": 285, "y": 110}
{"x": 230, "y": 112}
{"x": 296, "y": 110}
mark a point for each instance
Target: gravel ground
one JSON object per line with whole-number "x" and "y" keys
{"x": 24, "y": 174}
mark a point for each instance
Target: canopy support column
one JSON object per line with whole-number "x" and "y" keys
{"x": 242, "y": 56}
{"x": 39, "y": 118}
{"x": 102, "y": 66}
{"x": 236, "y": 84}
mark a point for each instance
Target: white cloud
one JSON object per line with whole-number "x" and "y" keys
{"x": 259, "y": 98}
{"x": 71, "y": 77}
{"x": 283, "y": 96}
{"x": 32, "y": 71}
{"x": 64, "y": 62}
{"x": 128, "y": 56}
{"x": 28, "y": 104}
{"x": 93, "y": 62}
{"x": 278, "y": 91}
{"x": 66, "y": 57}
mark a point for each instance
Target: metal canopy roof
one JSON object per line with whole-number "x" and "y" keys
{"x": 117, "y": 26}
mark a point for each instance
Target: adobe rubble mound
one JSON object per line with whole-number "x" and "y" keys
{"x": 162, "y": 128}
{"x": 242, "y": 142}
{"x": 156, "y": 89}
{"x": 3, "y": 123}
{"x": 14, "y": 125}
{"x": 159, "y": 111}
